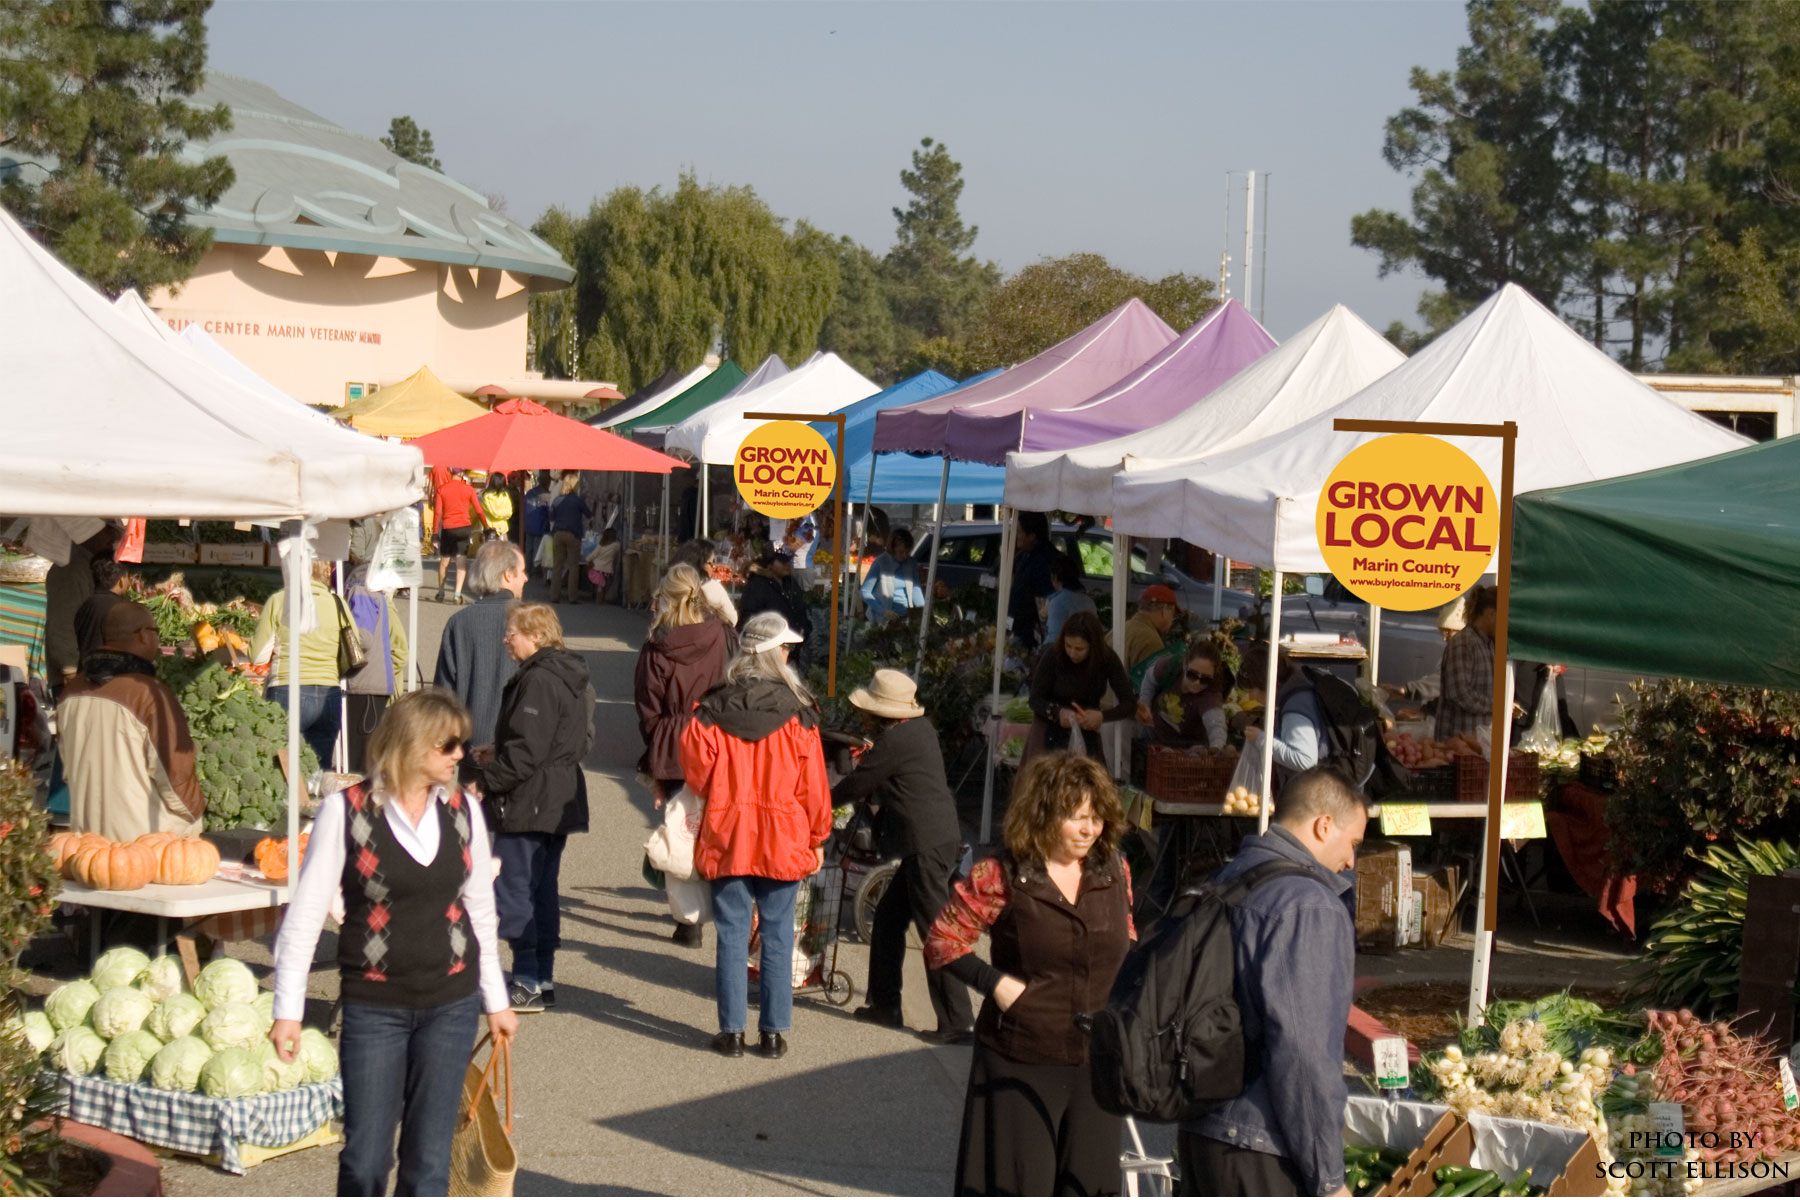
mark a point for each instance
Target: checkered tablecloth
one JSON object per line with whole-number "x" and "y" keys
{"x": 193, "y": 1123}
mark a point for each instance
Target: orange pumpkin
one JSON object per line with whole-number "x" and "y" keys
{"x": 271, "y": 856}
{"x": 61, "y": 846}
{"x": 114, "y": 867}
{"x": 187, "y": 861}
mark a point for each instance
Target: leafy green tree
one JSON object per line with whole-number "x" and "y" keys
{"x": 860, "y": 326}
{"x": 662, "y": 276}
{"x": 934, "y": 286}
{"x": 1491, "y": 205}
{"x": 409, "y": 141}
{"x": 93, "y": 101}
{"x": 1053, "y": 298}
{"x": 552, "y": 336}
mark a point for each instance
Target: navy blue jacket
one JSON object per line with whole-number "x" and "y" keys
{"x": 569, "y": 514}
{"x": 1295, "y": 955}
{"x": 473, "y": 662}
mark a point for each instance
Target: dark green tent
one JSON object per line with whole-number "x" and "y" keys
{"x": 708, "y": 390}
{"x": 1690, "y": 571}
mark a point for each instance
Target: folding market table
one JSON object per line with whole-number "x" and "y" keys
{"x": 188, "y": 904}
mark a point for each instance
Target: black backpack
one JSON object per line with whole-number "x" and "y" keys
{"x": 1169, "y": 1045}
{"x": 1353, "y": 738}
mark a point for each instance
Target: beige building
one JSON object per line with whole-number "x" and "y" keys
{"x": 337, "y": 264}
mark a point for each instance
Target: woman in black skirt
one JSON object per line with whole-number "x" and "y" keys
{"x": 1056, "y": 905}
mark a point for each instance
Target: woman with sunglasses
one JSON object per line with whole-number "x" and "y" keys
{"x": 1191, "y": 710}
{"x": 418, "y": 954}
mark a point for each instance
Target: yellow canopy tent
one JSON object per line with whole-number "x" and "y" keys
{"x": 418, "y": 405}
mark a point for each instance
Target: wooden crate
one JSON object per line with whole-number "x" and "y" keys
{"x": 1524, "y": 778}
{"x": 1180, "y": 777}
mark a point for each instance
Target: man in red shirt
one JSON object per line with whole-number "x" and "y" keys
{"x": 456, "y": 509}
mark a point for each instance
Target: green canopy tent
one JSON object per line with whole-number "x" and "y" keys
{"x": 1690, "y": 571}
{"x": 702, "y": 394}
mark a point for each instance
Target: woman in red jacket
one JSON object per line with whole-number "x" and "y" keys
{"x": 752, "y": 752}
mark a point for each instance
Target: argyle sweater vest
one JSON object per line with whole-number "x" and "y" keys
{"x": 406, "y": 940}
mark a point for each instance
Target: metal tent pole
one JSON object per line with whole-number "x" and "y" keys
{"x": 1270, "y": 726}
{"x": 1374, "y": 661}
{"x": 855, "y": 579}
{"x": 937, "y": 542}
{"x": 296, "y": 581}
{"x": 1008, "y": 537}
{"x": 1219, "y": 575}
{"x": 1484, "y": 938}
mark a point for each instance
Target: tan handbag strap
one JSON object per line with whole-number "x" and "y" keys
{"x": 499, "y": 1063}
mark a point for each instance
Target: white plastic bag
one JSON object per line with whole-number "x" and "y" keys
{"x": 1545, "y": 734}
{"x": 670, "y": 847}
{"x": 546, "y": 553}
{"x": 397, "y": 561}
{"x": 690, "y": 900}
{"x": 1248, "y": 774}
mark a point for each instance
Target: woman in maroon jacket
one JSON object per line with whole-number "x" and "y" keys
{"x": 686, "y": 655}
{"x": 1056, "y": 905}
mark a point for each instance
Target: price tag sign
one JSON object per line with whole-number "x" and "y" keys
{"x": 1405, "y": 820}
{"x": 1670, "y": 1130}
{"x": 1392, "y": 1072}
{"x": 1790, "y": 1096}
{"x": 1521, "y": 821}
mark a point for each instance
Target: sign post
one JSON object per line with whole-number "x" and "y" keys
{"x": 1405, "y": 536}
{"x": 785, "y": 469}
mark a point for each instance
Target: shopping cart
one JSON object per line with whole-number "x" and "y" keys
{"x": 818, "y": 907}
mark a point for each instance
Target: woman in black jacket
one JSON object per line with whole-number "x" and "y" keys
{"x": 902, "y": 772}
{"x": 534, "y": 794}
{"x": 771, "y": 587}
{"x": 1069, "y": 685}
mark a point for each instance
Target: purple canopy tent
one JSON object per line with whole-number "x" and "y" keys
{"x": 1222, "y": 343}
{"x": 1063, "y": 376}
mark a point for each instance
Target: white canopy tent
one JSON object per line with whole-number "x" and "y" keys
{"x": 106, "y": 417}
{"x": 822, "y": 385}
{"x": 204, "y": 347}
{"x": 1580, "y": 417}
{"x": 1322, "y": 365}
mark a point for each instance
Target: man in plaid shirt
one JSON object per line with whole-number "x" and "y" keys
{"x": 1466, "y": 705}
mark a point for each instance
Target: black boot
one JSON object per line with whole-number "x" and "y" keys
{"x": 689, "y": 935}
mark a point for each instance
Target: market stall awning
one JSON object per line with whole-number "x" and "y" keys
{"x": 1065, "y": 375}
{"x": 908, "y": 478}
{"x": 1690, "y": 570}
{"x": 1323, "y": 365}
{"x": 1216, "y": 347}
{"x": 647, "y": 402}
{"x": 420, "y": 405}
{"x": 103, "y": 417}
{"x": 724, "y": 382}
{"x": 522, "y": 435}
{"x": 823, "y": 384}
{"x": 1581, "y": 416}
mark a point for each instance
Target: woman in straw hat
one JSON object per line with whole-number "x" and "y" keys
{"x": 901, "y": 774}
{"x": 752, "y": 753}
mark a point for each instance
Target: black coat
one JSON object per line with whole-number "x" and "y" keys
{"x": 763, "y": 593}
{"x": 534, "y": 783}
{"x": 903, "y": 773}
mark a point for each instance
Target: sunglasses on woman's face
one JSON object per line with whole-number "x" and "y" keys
{"x": 451, "y": 746}
{"x": 1197, "y": 677}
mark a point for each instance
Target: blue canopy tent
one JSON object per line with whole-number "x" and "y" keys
{"x": 904, "y": 478}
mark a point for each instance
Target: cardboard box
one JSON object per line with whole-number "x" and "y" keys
{"x": 1384, "y": 880}
{"x": 234, "y": 554}
{"x": 1563, "y": 1161}
{"x": 184, "y": 553}
{"x": 1378, "y": 1121}
{"x": 1436, "y": 892}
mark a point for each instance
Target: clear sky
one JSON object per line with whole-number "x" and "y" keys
{"x": 1105, "y": 127}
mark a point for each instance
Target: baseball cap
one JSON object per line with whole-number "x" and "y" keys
{"x": 1157, "y": 593}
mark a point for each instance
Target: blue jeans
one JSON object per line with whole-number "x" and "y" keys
{"x": 773, "y": 899}
{"x": 528, "y": 901}
{"x": 403, "y": 1068}
{"x": 321, "y": 715}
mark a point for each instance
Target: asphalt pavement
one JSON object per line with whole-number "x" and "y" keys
{"x": 617, "y": 1091}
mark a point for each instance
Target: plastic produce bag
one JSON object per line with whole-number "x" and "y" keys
{"x": 1545, "y": 734}
{"x": 1249, "y": 771}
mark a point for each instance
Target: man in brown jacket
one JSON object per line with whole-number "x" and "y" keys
{"x": 126, "y": 748}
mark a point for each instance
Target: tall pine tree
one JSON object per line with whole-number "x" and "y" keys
{"x": 406, "y": 138}
{"x": 93, "y": 104}
{"x": 934, "y": 285}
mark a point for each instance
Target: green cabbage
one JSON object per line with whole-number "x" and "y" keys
{"x": 231, "y": 1073}
{"x": 68, "y": 1005}
{"x": 319, "y": 1055}
{"x": 175, "y": 1017}
{"x": 119, "y": 967}
{"x": 119, "y": 1010}
{"x": 278, "y": 1076}
{"x": 36, "y": 1029}
{"x": 129, "y": 1055}
{"x": 225, "y": 981}
{"x": 164, "y": 978}
{"x": 177, "y": 1066}
{"x": 231, "y": 1025}
{"x": 77, "y": 1051}
{"x": 265, "y": 1008}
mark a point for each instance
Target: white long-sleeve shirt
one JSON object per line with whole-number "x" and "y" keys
{"x": 322, "y": 870}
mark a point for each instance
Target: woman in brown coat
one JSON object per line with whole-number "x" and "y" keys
{"x": 1056, "y": 905}
{"x": 685, "y": 656}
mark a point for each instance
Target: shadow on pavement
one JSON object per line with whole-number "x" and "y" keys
{"x": 835, "y": 1124}
{"x": 624, "y": 1015}
{"x": 534, "y": 1183}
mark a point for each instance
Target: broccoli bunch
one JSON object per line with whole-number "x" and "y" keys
{"x": 237, "y": 734}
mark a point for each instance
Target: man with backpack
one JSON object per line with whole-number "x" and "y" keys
{"x": 1294, "y": 951}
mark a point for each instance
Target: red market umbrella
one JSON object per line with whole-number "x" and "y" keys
{"x": 604, "y": 393}
{"x": 491, "y": 391}
{"x": 522, "y": 435}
